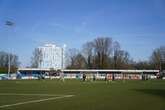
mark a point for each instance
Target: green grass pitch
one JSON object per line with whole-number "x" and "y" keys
{"x": 78, "y": 95}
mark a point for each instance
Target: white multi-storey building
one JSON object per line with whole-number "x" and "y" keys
{"x": 52, "y": 56}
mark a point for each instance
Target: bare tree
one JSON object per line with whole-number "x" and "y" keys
{"x": 88, "y": 54}
{"x": 101, "y": 53}
{"x": 36, "y": 59}
{"x": 102, "y": 49}
{"x": 122, "y": 59}
{"x": 158, "y": 58}
{"x": 4, "y": 59}
{"x": 116, "y": 53}
{"x": 71, "y": 56}
{"x": 14, "y": 60}
{"x": 79, "y": 62}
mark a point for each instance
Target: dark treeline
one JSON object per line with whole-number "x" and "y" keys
{"x": 4, "y": 61}
{"x": 104, "y": 53}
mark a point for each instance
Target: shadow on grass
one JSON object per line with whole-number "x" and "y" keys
{"x": 156, "y": 92}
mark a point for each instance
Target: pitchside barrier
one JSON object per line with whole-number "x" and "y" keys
{"x": 89, "y": 76}
{"x": 124, "y": 76}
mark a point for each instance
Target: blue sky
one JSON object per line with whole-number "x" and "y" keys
{"x": 138, "y": 25}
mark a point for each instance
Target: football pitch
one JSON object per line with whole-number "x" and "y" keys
{"x": 78, "y": 95}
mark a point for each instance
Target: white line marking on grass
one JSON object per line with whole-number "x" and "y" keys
{"x": 36, "y": 101}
